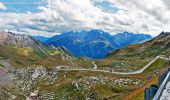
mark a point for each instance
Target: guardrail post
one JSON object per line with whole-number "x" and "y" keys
{"x": 168, "y": 69}
{"x": 147, "y": 94}
{"x": 153, "y": 90}
{"x": 166, "y": 72}
{"x": 161, "y": 79}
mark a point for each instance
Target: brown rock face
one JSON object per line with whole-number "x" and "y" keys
{"x": 21, "y": 40}
{"x": 17, "y": 39}
{"x": 3, "y": 37}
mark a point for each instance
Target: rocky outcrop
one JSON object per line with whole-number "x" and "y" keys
{"x": 21, "y": 40}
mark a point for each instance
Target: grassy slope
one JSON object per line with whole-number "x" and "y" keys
{"x": 25, "y": 57}
{"x": 18, "y": 56}
{"x": 62, "y": 59}
{"x": 134, "y": 57}
{"x": 151, "y": 75}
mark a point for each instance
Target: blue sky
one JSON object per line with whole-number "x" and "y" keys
{"x": 22, "y": 6}
{"x": 106, "y": 6}
{"x": 49, "y": 17}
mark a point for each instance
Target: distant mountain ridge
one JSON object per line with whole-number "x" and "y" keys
{"x": 126, "y": 38}
{"x": 95, "y": 43}
{"x": 27, "y": 41}
{"x": 25, "y": 50}
{"x": 22, "y": 40}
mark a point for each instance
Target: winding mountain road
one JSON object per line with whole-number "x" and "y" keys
{"x": 113, "y": 72}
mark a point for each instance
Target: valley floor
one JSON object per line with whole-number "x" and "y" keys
{"x": 64, "y": 83}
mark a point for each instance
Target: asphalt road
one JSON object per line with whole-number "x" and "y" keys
{"x": 113, "y": 72}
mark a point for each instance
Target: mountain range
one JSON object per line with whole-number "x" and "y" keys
{"x": 22, "y": 49}
{"x": 23, "y": 70}
{"x": 95, "y": 43}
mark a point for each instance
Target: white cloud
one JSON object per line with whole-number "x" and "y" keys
{"x": 146, "y": 16}
{"x": 2, "y": 6}
{"x": 151, "y": 13}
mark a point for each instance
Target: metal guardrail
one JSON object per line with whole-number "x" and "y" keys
{"x": 162, "y": 87}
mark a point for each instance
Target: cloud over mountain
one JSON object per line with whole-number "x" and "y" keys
{"x": 48, "y": 17}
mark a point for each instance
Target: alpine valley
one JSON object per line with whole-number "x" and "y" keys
{"x": 62, "y": 68}
{"x": 84, "y": 49}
